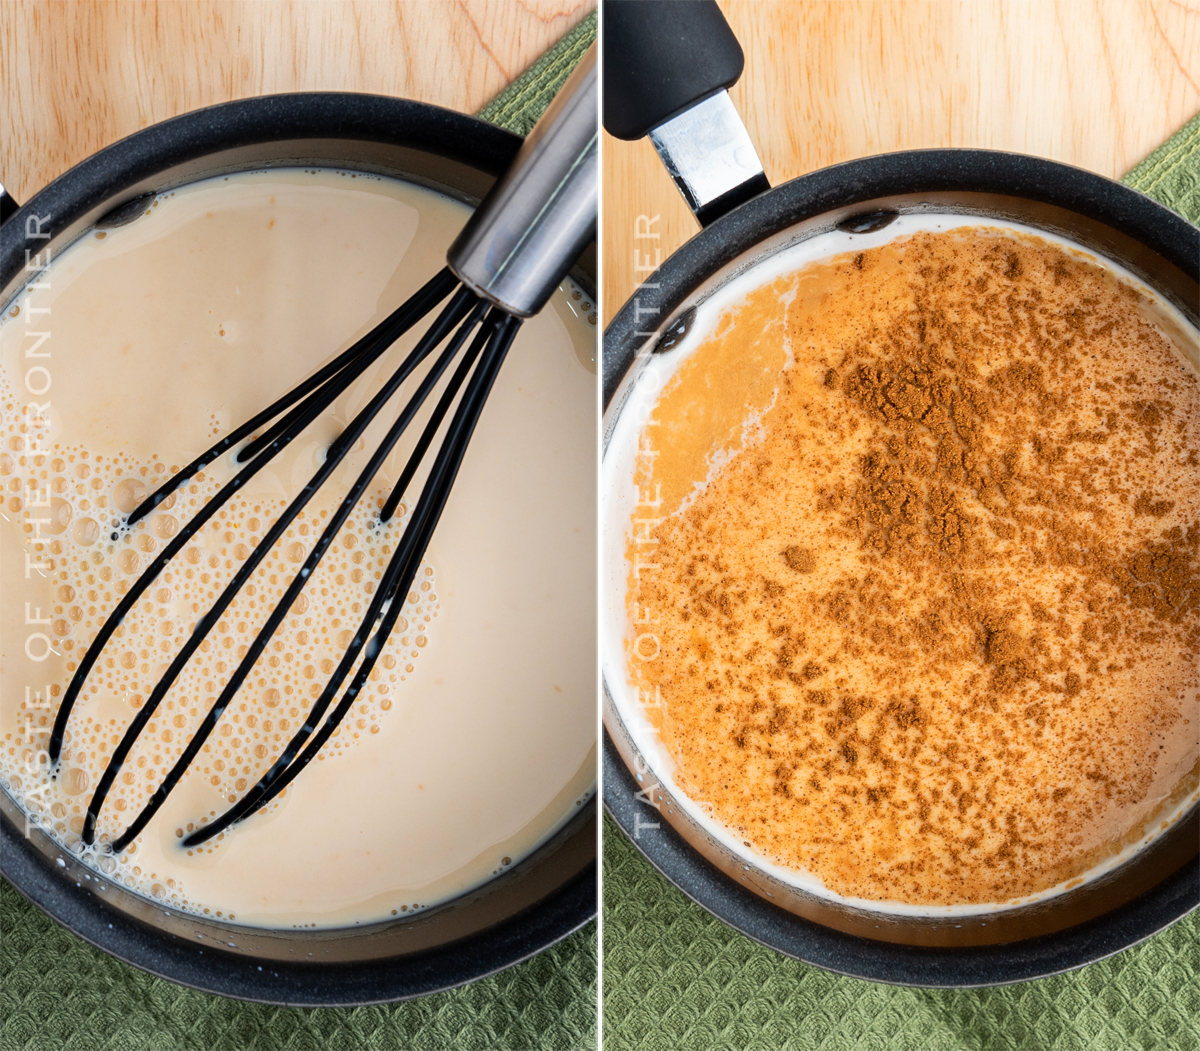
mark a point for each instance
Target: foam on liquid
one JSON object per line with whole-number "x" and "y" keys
{"x": 475, "y": 738}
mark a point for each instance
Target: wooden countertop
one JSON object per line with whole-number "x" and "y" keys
{"x": 77, "y": 76}
{"x": 1095, "y": 84}
{"x": 1098, "y": 83}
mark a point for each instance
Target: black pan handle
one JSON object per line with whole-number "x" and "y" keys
{"x": 661, "y": 57}
{"x": 667, "y": 67}
{"x": 7, "y": 205}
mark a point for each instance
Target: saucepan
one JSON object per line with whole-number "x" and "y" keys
{"x": 667, "y": 66}
{"x": 542, "y": 898}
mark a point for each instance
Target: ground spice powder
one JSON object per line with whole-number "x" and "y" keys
{"x": 930, "y": 629}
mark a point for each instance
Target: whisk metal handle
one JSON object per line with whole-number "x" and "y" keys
{"x": 542, "y": 212}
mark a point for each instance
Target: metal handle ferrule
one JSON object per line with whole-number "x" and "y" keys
{"x": 710, "y": 156}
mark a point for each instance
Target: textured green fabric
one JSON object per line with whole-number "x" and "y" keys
{"x": 519, "y": 105}
{"x": 57, "y": 992}
{"x": 676, "y": 977}
{"x": 1171, "y": 174}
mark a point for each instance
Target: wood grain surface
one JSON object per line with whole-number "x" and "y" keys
{"x": 1096, "y": 83}
{"x": 76, "y": 75}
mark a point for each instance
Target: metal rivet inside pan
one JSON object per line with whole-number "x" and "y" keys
{"x": 868, "y": 222}
{"x": 676, "y": 331}
{"x": 126, "y": 213}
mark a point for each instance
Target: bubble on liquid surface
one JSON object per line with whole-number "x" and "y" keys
{"x": 86, "y": 577}
{"x": 85, "y": 531}
{"x": 60, "y": 516}
{"x": 75, "y": 781}
{"x": 128, "y": 493}
{"x": 129, "y": 562}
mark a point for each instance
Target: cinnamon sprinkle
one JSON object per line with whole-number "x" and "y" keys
{"x": 935, "y": 635}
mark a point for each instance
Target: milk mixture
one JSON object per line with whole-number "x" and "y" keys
{"x": 907, "y": 605}
{"x": 475, "y": 739}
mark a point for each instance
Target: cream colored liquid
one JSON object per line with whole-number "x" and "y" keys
{"x": 475, "y": 739}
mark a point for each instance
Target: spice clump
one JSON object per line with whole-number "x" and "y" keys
{"x": 800, "y": 559}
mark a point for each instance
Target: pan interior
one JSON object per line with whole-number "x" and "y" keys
{"x": 503, "y": 918}
{"x": 862, "y": 225}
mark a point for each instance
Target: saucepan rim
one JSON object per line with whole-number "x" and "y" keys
{"x": 1161, "y": 248}
{"x": 544, "y": 897}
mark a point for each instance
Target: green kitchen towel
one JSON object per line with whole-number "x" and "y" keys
{"x": 57, "y": 993}
{"x": 60, "y": 994}
{"x": 519, "y": 105}
{"x": 677, "y": 977}
{"x": 1171, "y": 174}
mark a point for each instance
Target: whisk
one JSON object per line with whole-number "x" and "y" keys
{"x": 502, "y": 268}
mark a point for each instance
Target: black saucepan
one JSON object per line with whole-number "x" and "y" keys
{"x": 1147, "y": 893}
{"x": 546, "y": 896}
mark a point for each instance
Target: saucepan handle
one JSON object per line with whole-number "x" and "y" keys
{"x": 667, "y": 67}
{"x": 662, "y": 57}
{"x": 7, "y": 205}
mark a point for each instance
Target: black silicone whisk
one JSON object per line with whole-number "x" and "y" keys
{"x": 503, "y": 267}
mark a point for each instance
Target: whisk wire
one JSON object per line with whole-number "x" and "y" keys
{"x": 250, "y": 801}
{"x": 435, "y": 287}
{"x": 299, "y": 417}
{"x": 435, "y": 420}
{"x": 399, "y": 322}
{"x": 461, "y": 305}
{"x": 282, "y": 608}
{"x": 388, "y": 600}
